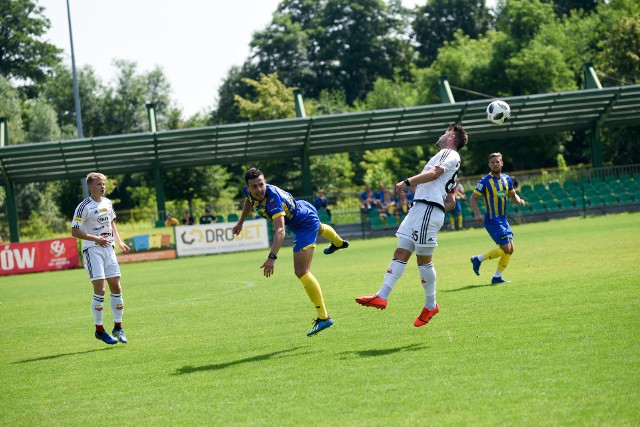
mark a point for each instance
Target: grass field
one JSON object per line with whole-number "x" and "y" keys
{"x": 212, "y": 342}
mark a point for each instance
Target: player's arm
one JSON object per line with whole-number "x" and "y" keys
{"x": 449, "y": 202}
{"x": 516, "y": 199}
{"x": 78, "y": 233}
{"x": 117, "y": 238}
{"x": 422, "y": 178}
{"x": 474, "y": 205}
{"x": 246, "y": 209}
{"x": 278, "y": 238}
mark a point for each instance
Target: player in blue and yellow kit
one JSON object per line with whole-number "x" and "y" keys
{"x": 495, "y": 187}
{"x": 301, "y": 218}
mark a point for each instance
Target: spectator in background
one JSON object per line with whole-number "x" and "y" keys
{"x": 207, "y": 218}
{"x": 455, "y": 216}
{"x": 188, "y": 219}
{"x": 380, "y": 196}
{"x": 322, "y": 203}
{"x": 367, "y": 199}
{"x": 388, "y": 205}
{"x": 171, "y": 221}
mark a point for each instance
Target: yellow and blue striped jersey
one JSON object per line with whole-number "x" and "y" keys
{"x": 276, "y": 203}
{"x": 495, "y": 190}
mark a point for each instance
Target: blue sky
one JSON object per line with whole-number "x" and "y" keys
{"x": 195, "y": 42}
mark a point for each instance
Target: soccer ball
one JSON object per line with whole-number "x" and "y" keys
{"x": 498, "y": 112}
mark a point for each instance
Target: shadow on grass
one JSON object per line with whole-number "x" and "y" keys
{"x": 466, "y": 288}
{"x": 217, "y": 366}
{"x": 55, "y": 356}
{"x": 382, "y": 352}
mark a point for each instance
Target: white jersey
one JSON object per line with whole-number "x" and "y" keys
{"x": 94, "y": 218}
{"x": 436, "y": 191}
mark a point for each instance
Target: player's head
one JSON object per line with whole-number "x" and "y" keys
{"x": 94, "y": 176}
{"x": 495, "y": 162}
{"x": 256, "y": 183}
{"x": 461, "y": 136}
{"x": 456, "y": 134}
{"x": 96, "y": 184}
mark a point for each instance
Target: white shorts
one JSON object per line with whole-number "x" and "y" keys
{"x": 100, "y": 263}
{"x": 421, "y": 225}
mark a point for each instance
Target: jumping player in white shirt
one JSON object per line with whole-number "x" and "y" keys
{"x": 419, "y": 230}
{"x": 94, "y": 223}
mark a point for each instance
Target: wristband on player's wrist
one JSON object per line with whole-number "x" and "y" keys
{"x": 407, "y": 182}
{"x": 272, "y": 256}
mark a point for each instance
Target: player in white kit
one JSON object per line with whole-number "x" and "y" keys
{"x": 419, "y": 230}
{"x": 93, "y": 222}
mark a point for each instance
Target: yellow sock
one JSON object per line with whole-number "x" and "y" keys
{"x": 330, "y": 234}
{"x": 460, "y": 221}
{"x": 314, "y": 292}
{"x": 452, "y": 221}
{"x": 494, "y": 253}
{"x": 503, "y": 262}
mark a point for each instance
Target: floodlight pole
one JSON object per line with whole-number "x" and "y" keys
{"x": 157, "y": 170}
{"x": 12, "y": 210}
{"x": 307, "y": 189}
{"x": 76, "y": 96}
{"x": 446, "y": 96}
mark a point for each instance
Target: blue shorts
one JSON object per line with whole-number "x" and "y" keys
{"x": 458, "y": 208}
{"x": 306, "y": 230}
{"x": 500, "y": 232}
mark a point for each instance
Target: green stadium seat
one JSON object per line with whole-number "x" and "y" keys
{"x": 526, "y": 188}
{"x": 625, "y": 198}
{"x": 392, "y": 221}
{"x": 537, "y": 206}
{"x": 566, "y": 203}
{"x": 220, "y": 218}
{"x": 595, "y": 201}
{"x": 551, "y": 206}
{"x": 232, "y": 217}
{"x": 609, "y": 179}
{"x": 538, "y": 188}
{"x": 374, "y": 219}
{"x": 324, "y": 216}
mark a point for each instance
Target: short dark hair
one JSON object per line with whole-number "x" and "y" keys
{"x": 462, "y": 138}
{"x": 252, "y": 173}
{"x": 496, "y": 154}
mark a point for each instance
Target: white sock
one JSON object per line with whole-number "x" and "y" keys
{"x": 498, "y": 273}
{"x": 480, "y": 257}
{"x": 394, "y": 272}
{"x": 117, "y": 307}
{"x": 428, "y": 278}
{"x": 97, "y": 306}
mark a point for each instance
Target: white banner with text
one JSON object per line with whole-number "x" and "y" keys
{"x": 219, "y": 238}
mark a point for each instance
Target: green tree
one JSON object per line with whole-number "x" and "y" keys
{"x": 438, "y": 20}
{"x": 203, "y": 182}
{"x": 11, "y": 109}
{"x": 42, "y": 121}
{"x": 23, "y": 54}
{"x": 273, "y": 99}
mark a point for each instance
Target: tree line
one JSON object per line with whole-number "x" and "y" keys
{"x": 345, "y": 56}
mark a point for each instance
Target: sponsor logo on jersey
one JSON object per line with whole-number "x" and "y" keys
{"x": 102, "y": 219}
{"x": 102, "y": 210}
{"x": 77, "y": 219}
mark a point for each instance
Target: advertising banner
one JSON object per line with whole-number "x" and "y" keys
{"x": 218, "y": 238}
{"x": 149, "y": 247}
{"x": 45, "y": 255}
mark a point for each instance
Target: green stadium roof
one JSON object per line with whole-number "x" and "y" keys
{"x": 370, "y": 130}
